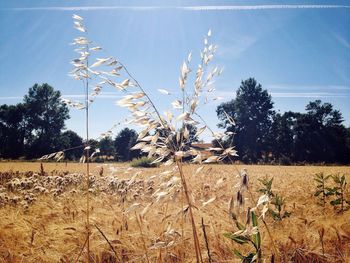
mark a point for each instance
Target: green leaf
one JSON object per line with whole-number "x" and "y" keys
{"x": 254, "y": 219}
{"x": 240, "y": 226}
{"x": 336, "y": 202}
{"x": 238, "y": 254}
{"x": 257, "y": 240}
{"x": 286, "y": 214}
{"x": 238, "y": 239}
{"x": 317, "y": 193}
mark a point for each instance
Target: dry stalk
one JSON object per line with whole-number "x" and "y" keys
{"x": 321, "y": 236}
{"x": 206, "y": 240}
{"x": 182, "y": 223}
{"x": 82, "y": 249}
{"x": 109, "y": 243}
{"x": 189, "y": 203}
{"x": 87, "y": 160}
{"x": 138, "y": 219}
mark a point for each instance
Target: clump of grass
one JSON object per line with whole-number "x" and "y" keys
{"x": 144, "y": 162}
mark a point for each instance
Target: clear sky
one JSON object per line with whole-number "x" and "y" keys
{"x": 299, "y": 51}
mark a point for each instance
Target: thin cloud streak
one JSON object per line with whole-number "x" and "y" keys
{"x": 231, "y": 95}
{"x": 307, "y": 95}
{"x": 107, "y": 95}
{"x": 184, "y": 8}
{"x": 307, "y": 87}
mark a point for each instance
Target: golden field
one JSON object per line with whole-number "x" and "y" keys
{"x": 139, "y": 211}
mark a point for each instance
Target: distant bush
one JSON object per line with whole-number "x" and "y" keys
{"x": 143, "y": 162}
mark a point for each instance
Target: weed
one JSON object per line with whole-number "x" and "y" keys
{"x": 266, "y": 186}
{"x": 247, "y": 234}
{"x": 339, "y": 192}
{"x": 277, "y": 211}
{"x": 322, "y": 191}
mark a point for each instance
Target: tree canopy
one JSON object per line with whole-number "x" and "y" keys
{"x": 261, "y": 134}
{"x": 252, "y": 110}
{"x": 123, "y": 142}
{"x": 45, "y": 115}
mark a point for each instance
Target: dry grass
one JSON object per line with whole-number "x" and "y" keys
{"x": 52, "y": 228}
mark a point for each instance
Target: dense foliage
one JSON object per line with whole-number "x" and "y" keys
{"x": 33, "y": 128}
{"x": 261, "y": 134}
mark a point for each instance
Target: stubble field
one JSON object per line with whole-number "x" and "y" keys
{"x": 138, "y": 215}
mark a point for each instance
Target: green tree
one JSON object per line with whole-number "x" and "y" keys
{"x": 252, "y": 110}
{"x": 124, "y": 140}
{"x": 320, "y": 135}
{"x": 281, "y": 136}
{"x": 73, "y": 143}
{"x": 45, "y": 115}
{"x": 107, "y": 147}
{"x": 12, "y": 130}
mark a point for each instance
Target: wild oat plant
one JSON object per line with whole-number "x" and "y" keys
{"x": 164, "y": 137}
{"x": 248, "y": 233}
{"x": 246, "y": 221}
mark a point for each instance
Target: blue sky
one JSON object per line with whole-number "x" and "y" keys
{"x": 299, "y": 51}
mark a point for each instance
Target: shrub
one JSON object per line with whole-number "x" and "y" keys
{"x": 143, "y": 162}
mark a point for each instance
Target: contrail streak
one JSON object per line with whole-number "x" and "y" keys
{"x": 184, "y": 8}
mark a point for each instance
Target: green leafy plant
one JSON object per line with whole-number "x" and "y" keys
{"x": 277, "y": 211}
{"x": 322, "y": 191}
{"x": 339, "y": 192}
{"x": 266, "y": 186}
{"x": 247, "y": 234}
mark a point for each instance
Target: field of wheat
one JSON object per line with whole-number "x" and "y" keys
{"x": 139, "y": 215}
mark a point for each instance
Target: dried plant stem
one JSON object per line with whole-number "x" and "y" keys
{"x": 109, "y": 243}
{"x": 138, "y": 219}
{"x": 206, "y": 240}
{"x": 82, "y": 249}
{"x": 87, "y": 160}
{"x": 182, "y": 223}
{"x": 194, "y": 231}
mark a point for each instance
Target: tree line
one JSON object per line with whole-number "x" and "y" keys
{"x": 262, "y": 135}
{"x": 36, "y": 127}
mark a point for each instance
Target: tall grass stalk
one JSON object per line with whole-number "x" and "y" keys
{"x": 160, "y": 137}
{"x": 87, "y": 158}
{"x": 189, "y": 203}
